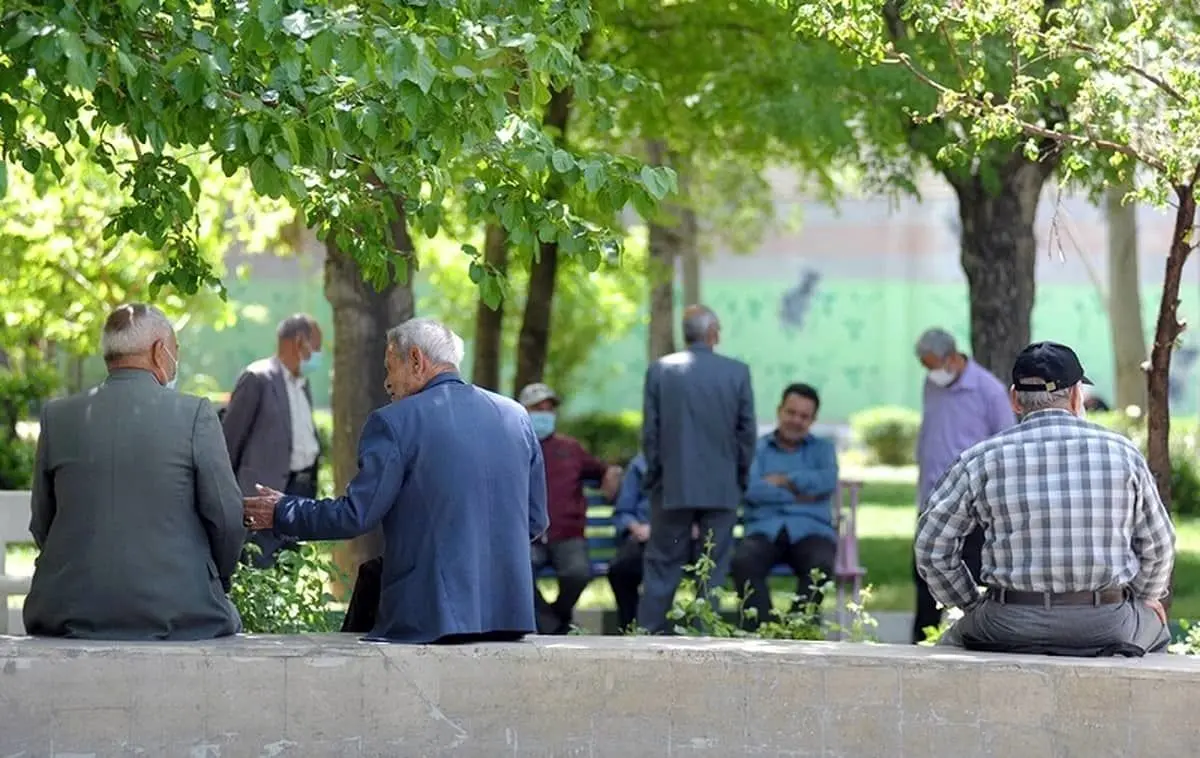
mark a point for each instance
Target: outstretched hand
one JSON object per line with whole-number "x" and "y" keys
{"x": 260, "y": 508}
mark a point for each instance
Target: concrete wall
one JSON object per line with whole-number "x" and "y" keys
{"x": 581, "y": 696}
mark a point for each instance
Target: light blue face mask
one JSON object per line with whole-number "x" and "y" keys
{"x": 543, "y": 423}
{"x": 311, "y": 362}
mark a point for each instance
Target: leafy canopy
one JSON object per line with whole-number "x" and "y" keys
{"x": 329, "y": 105}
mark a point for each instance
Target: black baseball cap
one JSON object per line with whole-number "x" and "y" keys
{"x": 1047, "y": 367}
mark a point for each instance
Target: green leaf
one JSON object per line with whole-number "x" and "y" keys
{"x": 299, "y": 24}
{"x": 321, "y": 50}
{"x": 350, "y": 58}
{"x": 283, "y": 161}
{"x": 593, "y": 176}
{"x": 253, "y": 137}
{"x": 289, "y": 137}
{"x": 656, "y": 180}
{"x": 562, "y": 161}
{"x": 269, "y": 14}
{"x": 423, "y": 72}
{"x": 490, "y": 292}
{"x": 476, "y": 272}
{"x": 3, "y": 179}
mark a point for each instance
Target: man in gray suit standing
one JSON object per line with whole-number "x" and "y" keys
{"x": 136, "y": 511}
{"x": 269, "y": 424}
{"x": 698, "y": 436}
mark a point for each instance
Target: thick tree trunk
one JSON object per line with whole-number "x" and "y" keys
{"x": 533, "y": 343}
{"x": 1166, "y": 332}
{"x": 1124, "y": 299}
{"x": 489, "y": 323}
{"x": 361, "y": 318}
{"x": 691, "y": 257}
{"x": 998, "y": 256}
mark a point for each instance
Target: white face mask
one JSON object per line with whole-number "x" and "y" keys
{"x": 941, "y": 377}
{"x": 174, "y": 380}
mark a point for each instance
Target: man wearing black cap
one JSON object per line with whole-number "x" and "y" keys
{"x": 1078, "y": 547}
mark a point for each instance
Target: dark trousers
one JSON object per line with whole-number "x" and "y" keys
{"x": 301, "y": 483}
{"x": 569, "y": 559}
{"x": 758, "y": 554}
{"x": 669, "y": 548}
{"x": 625, "y": 577}
{"x": 928, "y": 613}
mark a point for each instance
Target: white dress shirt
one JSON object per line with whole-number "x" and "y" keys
{"x": 305, "y": 446}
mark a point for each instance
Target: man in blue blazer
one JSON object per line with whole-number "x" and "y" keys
{"x": 455, "y": 475}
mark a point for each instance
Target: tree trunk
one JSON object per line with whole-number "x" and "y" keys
{"x": 361, "y": 318}
{"x": 998, "y": 256}
{"x": 489, "y": 324}
{"x": 1124, "y": 299}
{"x": 1166, "y": 332}
{"x": 672, "y": 238}
{"x": 533, "y": 343}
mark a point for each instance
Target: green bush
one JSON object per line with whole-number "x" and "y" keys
{"x": 1185, "y": 463}
{"x": 16, "y": 463}
{"x": 291, "y": 597}
{"x": 889, "y": 433}
{"x": 613, "y": 437}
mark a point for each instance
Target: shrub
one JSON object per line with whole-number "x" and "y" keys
{"x": 16, "y": 463}
{"x": 1185, "y": 464}
{"x": 889, "y": 433}
{"x": 291, "y": 596}
{"x": 613, "y": 437}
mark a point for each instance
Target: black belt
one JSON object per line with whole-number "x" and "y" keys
{"x": 1111, "y": 596}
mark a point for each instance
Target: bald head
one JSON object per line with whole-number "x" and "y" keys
{"x": 700, "y": 325}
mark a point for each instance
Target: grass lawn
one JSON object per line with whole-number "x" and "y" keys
{"x": 885, "y": 530}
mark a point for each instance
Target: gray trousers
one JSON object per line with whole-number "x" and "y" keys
{"x": 1071, "y": 627}
{"x": 669, "y": 548}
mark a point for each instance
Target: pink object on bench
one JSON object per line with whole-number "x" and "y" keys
{"x": 847, "y": 571}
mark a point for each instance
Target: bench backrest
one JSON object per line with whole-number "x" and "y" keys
{"x": 602, "y": 541}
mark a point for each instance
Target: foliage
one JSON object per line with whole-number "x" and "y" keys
{"x": 1184, "y": 447}
{"x": 590, "y": 308}
{"x": 612, "y": 437}
{"x": 335, "y": 107}
{"x": 288, "y": 598}
{"x": 23, "y": 384}
{"x": 889, "y": 433}
{"x": 1190, "y": 644}
{"x": 696, "y": 610}
{"x": 16, "y": 463}
{"x": 63, "y": 274}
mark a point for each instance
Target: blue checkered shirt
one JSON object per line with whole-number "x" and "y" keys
{"x": 1066, "y": 506}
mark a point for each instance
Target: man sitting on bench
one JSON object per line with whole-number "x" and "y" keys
{"x": 568, "y": 466}
{"x": 788, "y": 508}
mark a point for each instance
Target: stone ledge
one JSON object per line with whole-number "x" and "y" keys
{"x": 585, "y": 696}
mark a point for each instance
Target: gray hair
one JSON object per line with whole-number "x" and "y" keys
{"x": 132, "y": 329}
{"x": 936, "y": 342}
{"x": 296, "y": 325}
{"x": 1030, "y": 401}
{"x": 431, "y": 337}
{"x": 697, "y": 322}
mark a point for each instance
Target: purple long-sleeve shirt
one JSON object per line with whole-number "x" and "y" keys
{"x": 957, "y": 417}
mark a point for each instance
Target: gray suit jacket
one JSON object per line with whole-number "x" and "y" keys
{"x": 258, "y": 426}
{"x": 698, "y": 430}
{"x": 137, "y": 516}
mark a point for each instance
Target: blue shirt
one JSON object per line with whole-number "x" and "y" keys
{"x": 455, "y": 475}
{"x": 632, "y": 505}
{"x": 812, "y": 469}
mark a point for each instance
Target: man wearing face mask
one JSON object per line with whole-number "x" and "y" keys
{"x": 1079, "y": 547}
{"x": 568, "y": 466}
{"x": 963, "y": 404}
{"x": 454, "y": 475}
{"x": 135, "y": 509}
{"x": 269, "y": 424}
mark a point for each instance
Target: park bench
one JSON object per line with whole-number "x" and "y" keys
{"x": 848, "y": 572}
{"x": 14, "y": 530}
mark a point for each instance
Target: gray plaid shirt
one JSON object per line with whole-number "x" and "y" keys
{"x": 1066, "y": 506}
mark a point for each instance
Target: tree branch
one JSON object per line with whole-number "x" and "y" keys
{"x": 1031, "y": 129}
{"x": 1154, "y": 79}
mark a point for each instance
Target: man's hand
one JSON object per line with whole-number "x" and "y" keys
{"x": 779, "y": 480}
{"x": 611, "y": 482}
{"x": 260, "y": 509}
{"x": 640, "y": 532}
{"x": 1157, "y": 607}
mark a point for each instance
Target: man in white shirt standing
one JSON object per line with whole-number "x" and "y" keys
{"x": 269, "y": 425}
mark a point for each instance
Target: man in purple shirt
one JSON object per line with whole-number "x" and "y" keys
{"x": 963, "y": 404}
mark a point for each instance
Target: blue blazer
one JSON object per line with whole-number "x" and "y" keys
{"x": 455, "y": 475}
